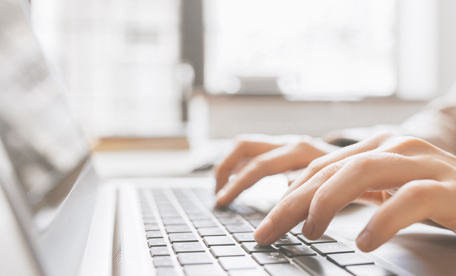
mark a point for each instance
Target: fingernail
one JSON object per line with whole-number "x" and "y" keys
{"x": 263, "y": 231}
{"x": 309, "y": 227}
{"x": 221, "y": 193}
{"x": 219, "y": 196}
{"x": 364, "y": 241}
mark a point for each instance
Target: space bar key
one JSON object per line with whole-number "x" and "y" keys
{"x": 317, "y": 265}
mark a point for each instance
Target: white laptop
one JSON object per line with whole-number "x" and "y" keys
{"x": 57, "y": 218}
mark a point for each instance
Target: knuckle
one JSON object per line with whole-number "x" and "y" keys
{"x": 322, "y": 198}
{"x": 315, "y": 166}
{"x": 328, "y": 171}
{"x": 240, "y": 140}
{"x": 260, "y": 163}
{"x": 418, "y": 192}
{"x": 362, "y": 162}
{"x": 411, "y": 142}
{"x": 301, "y": 145}
{"x": 286, "y": 205}
{"x": 304, "y": 142}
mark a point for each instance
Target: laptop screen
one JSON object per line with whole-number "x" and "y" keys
{"x": 41, "y": 138}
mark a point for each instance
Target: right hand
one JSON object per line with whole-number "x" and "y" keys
{"x": 257, "y": 156}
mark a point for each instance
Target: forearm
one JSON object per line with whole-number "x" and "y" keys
{"x": 435, "y": 124}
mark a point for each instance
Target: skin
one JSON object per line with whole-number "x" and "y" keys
{"x": 424, "y": 175}
{"x": 256, "y": 156}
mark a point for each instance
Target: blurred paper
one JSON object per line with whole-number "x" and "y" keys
{"x": 266, "y": 193}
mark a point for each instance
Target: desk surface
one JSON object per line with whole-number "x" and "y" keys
{"x": 158, "y": 163}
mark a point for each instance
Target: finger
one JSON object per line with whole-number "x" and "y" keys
{"x": 288, "y": 157}
{"x": 292, "y": 209}
{"x": 293, "y": 175}
{"x": 335, "y": 156}
{"x": 243, "y": 149}
{"x": 376, "y": 198}
{"x": 414, "y": 202}
{"x": 367, "y": 171}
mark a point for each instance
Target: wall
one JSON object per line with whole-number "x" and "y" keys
{"x": 230, "y": 115}
{"x": 447, "y": 44}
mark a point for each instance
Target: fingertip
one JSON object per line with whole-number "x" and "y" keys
{"x": 263, "y": 231}
{"x": 309, "y": 228}
{"x": 221, "y": 198}
{"x": 365, "y": 241}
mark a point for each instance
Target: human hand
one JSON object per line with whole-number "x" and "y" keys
{"x": 424, "y": 175}
{"x": 257, "y": 156}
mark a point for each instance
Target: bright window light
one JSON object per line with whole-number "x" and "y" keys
{"x": 306, "y": 48}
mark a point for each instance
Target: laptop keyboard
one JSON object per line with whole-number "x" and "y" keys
{"x": 187, "y": 236}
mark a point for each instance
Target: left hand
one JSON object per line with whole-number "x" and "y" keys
{"x": 424, "y": 175}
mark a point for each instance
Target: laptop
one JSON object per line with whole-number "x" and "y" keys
{"x": 58, "y": 218}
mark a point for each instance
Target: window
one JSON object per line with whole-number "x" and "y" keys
{"x": 118, "y": 60}
{"x": 305, "y": 48}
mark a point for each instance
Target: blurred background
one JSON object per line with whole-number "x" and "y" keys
{"x": 216, "y": 68}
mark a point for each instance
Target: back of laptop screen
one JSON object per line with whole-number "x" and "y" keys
{"x": 41, "y": 139}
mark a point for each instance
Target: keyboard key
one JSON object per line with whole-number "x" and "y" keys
{"x": 269, "y": 258}
{"x": 297, "y": 229}
{"x": 159, "y": 251}
{"x": 226, "y": 251}
{"x": 223, "y": 213}
{"x": 165, "y": 206}
{"x": 239, "y": 228}
{"x": 231, "y": 220}
{"x": 166, "y": 271}
{"x": 184, "y": 247}
{"x": 191, "y": 209}
{"x": 297, "y": 250}
{"x": 371, "y": 270}
{"x": 218, "y": 240}
{"x": 170, "y": 215}
{"x": 196, "y": 216}
{"x": 255, "y": 222}
{"x": 156, "y": 242}
{"x": 147, "y": 213}
{"x": 194, "y": 258}
{"x": 317, "y": 265}
{"x": 154, "y": 234}
{"x": 241, "y": 209}
{"x": 350, "y": 259}
{"x": 149, "y": 220}
{"x": 148, "y": 216}
{"x": 165, "y": 213}
{"x": 331, "y": 248}
{"x": 180, "y": 228}
{"x": 203, "y": 223}
{"x": 163, "y": 261}
{"x": 253, "y": 247}
{"x": 287, "y": 240}
{"x": 173, "y": 221}
{"x": 247, "y": 272}
{"x": 151, "y": 227}
{"x": 284, "y": 269}
{"x": 244, "y": 237}
{"x": 182, "y": 237}
{"x": 201, "y": 270}
{"x": 212, "y": 231}
{"x": 323, "y": 239}
{"x": 231, "y": 263}
{"x": 254, "y": 216}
